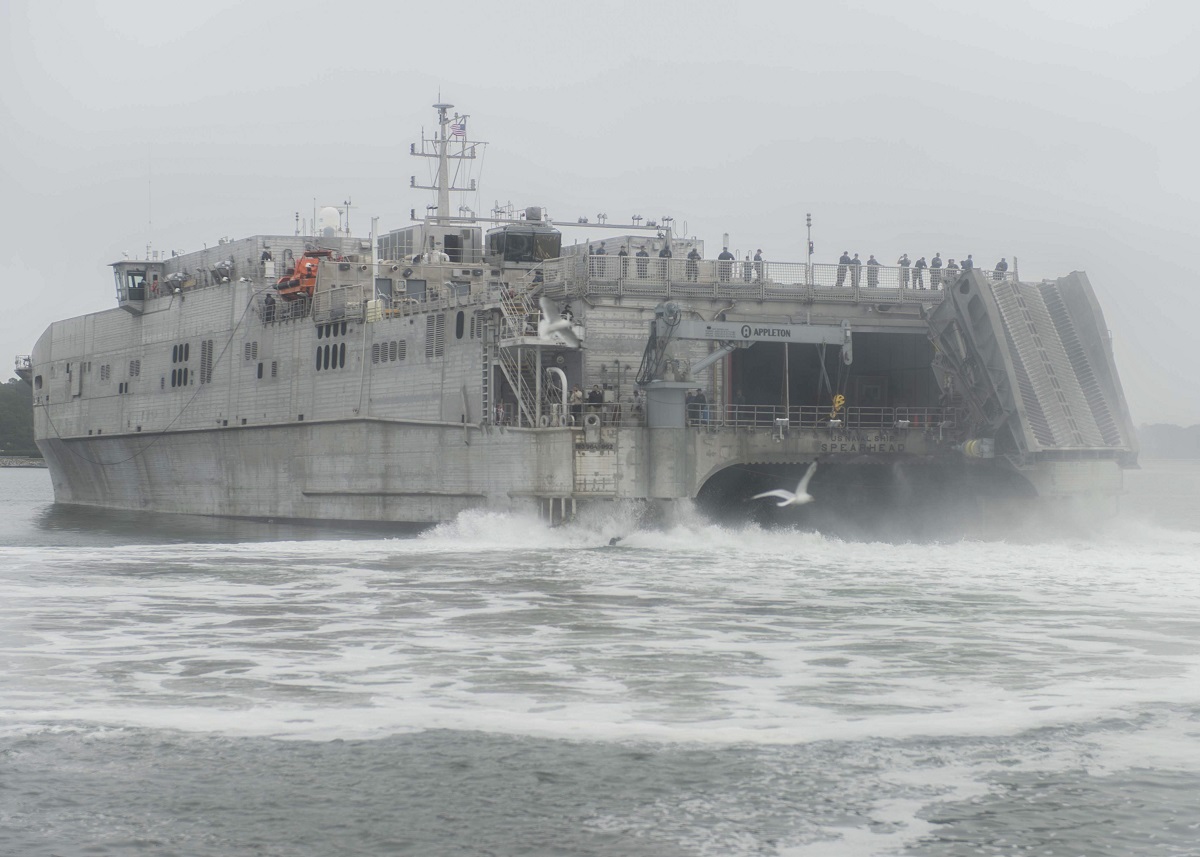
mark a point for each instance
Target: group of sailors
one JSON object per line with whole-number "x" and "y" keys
{"x": 910, "y": 271}
{"x": 752, "y": 269}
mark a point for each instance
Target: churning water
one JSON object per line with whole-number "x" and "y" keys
{"x": 492, "y": 687}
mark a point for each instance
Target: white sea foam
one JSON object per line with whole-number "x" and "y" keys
{"x": 689, "y": 632}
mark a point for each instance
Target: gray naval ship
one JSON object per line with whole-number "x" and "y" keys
{"x": 464, "y": 362}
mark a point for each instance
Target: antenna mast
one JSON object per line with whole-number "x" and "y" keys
{"x": 438, "y": 147}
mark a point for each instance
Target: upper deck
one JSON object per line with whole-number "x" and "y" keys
{"x": 681, "y": 279}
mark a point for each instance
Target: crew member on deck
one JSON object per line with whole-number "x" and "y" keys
{"x": 576, "y": 402}
{"x": 918, "y": 277}
{"x": 903, "y": 262}
{"x": 725, "y": 258}
{"x": 843, "y": 266}
{"x": 1001, "y": 267}
{"x": 872, "y": 272}
{"x": 643, "y": 259}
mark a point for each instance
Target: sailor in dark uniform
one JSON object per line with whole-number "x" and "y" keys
{"x": 643, "y": 259}
{"x": 843, "y": 264}
{"x": 935, "y": 271}
{"x": 1001, "y": 267}
{"x": 872, "y": 272}
{"x": 918, "y": 281}
{"x": 725, "y": 259}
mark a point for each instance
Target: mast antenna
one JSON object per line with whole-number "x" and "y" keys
{"x": 450, "y": 129}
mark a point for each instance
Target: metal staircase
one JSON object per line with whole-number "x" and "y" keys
{"x": 515, "y": 352}
{"x": 519, "y": 316}
{"x": 516, "y": 364}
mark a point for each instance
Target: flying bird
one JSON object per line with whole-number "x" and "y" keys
{"x": 787, "y": 498}
{"x": 560, "y": 327}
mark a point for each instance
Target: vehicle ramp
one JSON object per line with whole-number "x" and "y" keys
{"x": 1033, "y": 366}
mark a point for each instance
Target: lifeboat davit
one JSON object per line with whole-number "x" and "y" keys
{"x": 303, "y": 280}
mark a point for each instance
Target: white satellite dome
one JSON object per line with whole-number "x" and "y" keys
{"x": 329, "y": 221}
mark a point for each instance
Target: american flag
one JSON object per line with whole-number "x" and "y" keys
{"x": 458, "y": 129}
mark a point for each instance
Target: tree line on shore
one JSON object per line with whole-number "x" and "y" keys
{"x": 16, "y": 419}
{"x": 1169, "y": 441}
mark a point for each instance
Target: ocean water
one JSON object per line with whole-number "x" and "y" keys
{"x": 176, "y": 686}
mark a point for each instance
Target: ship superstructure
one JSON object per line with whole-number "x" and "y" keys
{"x": 465, "y": 362}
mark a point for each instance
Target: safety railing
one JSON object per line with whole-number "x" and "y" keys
{"x": 519, "y": 315}
{"x": 343, "y": 302}
{"x": 435, "y": 297}
{"x": 272, "y": 310}
{"x": 623, "y": 412}
{"x": 521, "y": 382}
{"x": 659, "y": 277}
{"x": 817, "y": 416}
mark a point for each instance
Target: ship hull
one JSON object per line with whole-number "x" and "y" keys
{"x": 341, "y": 470}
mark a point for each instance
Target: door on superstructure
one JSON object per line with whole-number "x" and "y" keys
{"x": 452, "y": 244}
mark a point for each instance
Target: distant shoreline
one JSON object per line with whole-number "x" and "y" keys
{"x": 21, "y": 461}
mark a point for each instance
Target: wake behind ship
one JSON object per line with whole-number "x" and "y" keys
{"x": 464, "y": 362}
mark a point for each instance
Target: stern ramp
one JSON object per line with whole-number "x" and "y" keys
{"x": 1031, "y": 365}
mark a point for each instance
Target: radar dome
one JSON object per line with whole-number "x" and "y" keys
{"x": 329, "y": 221}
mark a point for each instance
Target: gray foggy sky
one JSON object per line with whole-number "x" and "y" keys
{"x": 1060, "y": 133}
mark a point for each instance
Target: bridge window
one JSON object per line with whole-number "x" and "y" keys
{"x": 547, "y": 246}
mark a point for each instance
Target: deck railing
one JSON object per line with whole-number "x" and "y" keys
{"x": 816, "y": 416}
{"x": 576, "y": 276}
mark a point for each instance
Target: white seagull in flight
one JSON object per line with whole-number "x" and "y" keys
{"x": 787, "y": 498}
{"x": 561, "y": 327}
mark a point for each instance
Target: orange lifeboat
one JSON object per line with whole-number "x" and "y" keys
{"x": 303, "y": 279}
